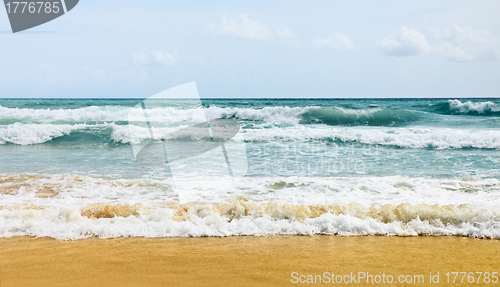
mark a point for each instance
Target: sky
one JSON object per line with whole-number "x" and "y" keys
{"x": 257, "y": 49}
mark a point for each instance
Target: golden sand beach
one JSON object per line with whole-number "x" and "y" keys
{"x": 241, "y": 261}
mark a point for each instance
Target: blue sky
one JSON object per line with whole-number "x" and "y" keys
{"x": 272, "y": 49}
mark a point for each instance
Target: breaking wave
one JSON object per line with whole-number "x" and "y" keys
{"x": 73, "y": 207}
{"x": 408, "y": 137}
{"x": 372, "y": 117}
{"x": 456, "y": 107}
{"x": 249, "y": 218}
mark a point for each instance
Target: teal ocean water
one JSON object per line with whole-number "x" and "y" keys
{"x": 315, "y": 166}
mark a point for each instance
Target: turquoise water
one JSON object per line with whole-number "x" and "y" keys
{"x": 413, "y": 137}
{"x": 427, "y": 153}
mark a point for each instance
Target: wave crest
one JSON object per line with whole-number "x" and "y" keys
{"x": 348, "y": 117}
{"x": 456, "y": 107}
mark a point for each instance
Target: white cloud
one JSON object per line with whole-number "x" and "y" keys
{"x": 248, "y": 29}
{"x": 457, "y": 44}
{"x": 334, "y": 41}
{"x": 155, "y": 58}
{"x": 467, "y": 44}
{"x": 405, "y": 42}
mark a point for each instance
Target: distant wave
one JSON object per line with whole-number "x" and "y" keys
{"x": 333, "y": 116}
{"x": 111, "y": 113}
{"x": 283, "y": 114}
{"x": 164, "y": 114}
{"x": 108, "y": 124}
{"x": 456, "y": 107}
{"x": 28, "y": 134}
{"x": 409, "y": 137}
{"x": 350, "y": 117}
{"x": 414, "y": 137}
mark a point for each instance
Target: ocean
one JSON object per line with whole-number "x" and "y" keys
{"x": 403, "y": 167}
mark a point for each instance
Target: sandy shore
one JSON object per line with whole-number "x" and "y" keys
{"x": 237, "y": 261}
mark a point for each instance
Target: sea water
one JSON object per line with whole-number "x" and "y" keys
{"x": 315, "y": 166}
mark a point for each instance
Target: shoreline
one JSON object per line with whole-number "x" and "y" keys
{"x": 236, "y": 261}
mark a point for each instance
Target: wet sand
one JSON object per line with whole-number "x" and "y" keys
{"x": 237, "y": 261}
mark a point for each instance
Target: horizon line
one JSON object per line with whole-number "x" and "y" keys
{"x": 210, "y": 98}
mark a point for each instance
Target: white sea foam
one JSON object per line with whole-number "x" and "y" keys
{"x": 27, "y": 134}
{"x": 82, "y": 114}
{"x": 410, "y": 137}
{"x": 266, "y": 219}
{"x": 69, "y": 207}
{"x": 273, "y": 114}
{"x": 161, "y": 114}
{"x": 56, "y": 190}
{"x": 414, "y": 137}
